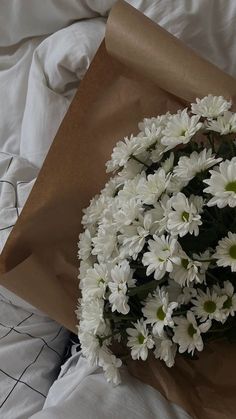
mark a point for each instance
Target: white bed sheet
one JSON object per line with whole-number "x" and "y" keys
{"x": 45, "y": 49}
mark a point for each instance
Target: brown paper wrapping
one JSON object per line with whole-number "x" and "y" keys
{"x": 39, "y": 260}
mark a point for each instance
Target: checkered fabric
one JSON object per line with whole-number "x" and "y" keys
{"x": 31, "y": 345}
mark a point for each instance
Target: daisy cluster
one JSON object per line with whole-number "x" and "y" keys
{"x": 158, "y": 251}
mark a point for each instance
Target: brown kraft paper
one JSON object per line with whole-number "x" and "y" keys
{"x": 39, "y": 261}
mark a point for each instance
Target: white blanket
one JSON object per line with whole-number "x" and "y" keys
{"x": 45, "y": 49}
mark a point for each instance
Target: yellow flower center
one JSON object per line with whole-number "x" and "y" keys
{"x": 141, "y": 338}
{"x": 191, "y": 330}
{"x": 231, "y": 186}
{"x": 210, "y": 306}
{"x": 232, "y": 251}
{"x": 185, "y": 216}
{"x": 184, "y": 263}
{"x": 160, "y": 313}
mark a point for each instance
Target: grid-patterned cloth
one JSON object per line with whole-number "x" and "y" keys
{"x": 31, "y": 344}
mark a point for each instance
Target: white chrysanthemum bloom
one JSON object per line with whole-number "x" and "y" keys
{"x": 210, "y": 106}
{"x": 131, "y": 169}
{"x": 147, "y": 139}
{"x": 90, "y": 346}
{"x": 162, "y": 254}
{"x": 110, "y": 364}
{"x": 222, "y": 184}
{"x": 160, "y": 215}
{"x": 229, "y": 306}
{"x": 94, "y": 283}
{"x": 167, "y": 165}
{"x": 157, "y": 153}
{"x": 122, "y": 278}
{"x": 121, "y": 153}
{"x": 175, "y": 185}
{"x": 188, "y": 167}
{"x": 133, "y": 237}
{"x": 94, "y": 212}
{"x": 158, "y": 311}
{"x": 180, "y": 129}
{"x": 159, "y": 121}
{"x": 85, "y": 245}
{"x": 129, "y": 211}
{"x": 165, "y": 349}
{"x": 185, "y": 215}
{"x": 187, "y": 333}
{"x": 187, "y": 271}
{"x": 224, "y": 124}
{"x": 150, "y": 189}
{"x": 130, "y": 188}
{"x": 105, "y": 244}
{"x": 92, "y": 319}
{"x": 139, "y": 340}
{"x": 84, "y": 266}
{"x": 208, "y": 305}
{"x": 111, "y": 187}
{"x": 226, "y": 252}
{"x": 188, "y": 293}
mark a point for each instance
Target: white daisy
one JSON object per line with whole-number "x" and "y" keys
{"x": 85, "y": 245}
{"x": 229, "y": 306}
{"x": 122, "y": 278}
{"x": 188, "y": 293}
{"x": 110, "y": 364}
{"x": 168, "y": 164}
{"x": 187, "y": 333}
{"x": 187, "y": 271}
{"x": 150, "y": 189}
{"x": 139, "y": 340}
{"x": 163, "y": 253}
{"x": 92, "y": 319}
{"x": 165, "y": 349}
{"x": 130, "y": 189}
{"x": 121, "y": 153}
{"x": 210, "y": 106}
{"x": 226, "y": 252}
{"x": 105, "y": 243}
{"x": 90, "y": 346}
{"x": 224, "y": 124}
{"x": 159, "y": 215}
{"x": 159, "y": 121}
{"x": 147, "y": 139}
{"x": 158, "y": 311}
{"x": 131, "y": 169}
{"x": 185, "y": 216}
{"x": 208, "y": 305}
{"x": 129, "y": 211}
{"x": 94, "y": 283}
{"x": 133, "y": 237}
{"x": 180, "y": 129}
{"x": 94, "y": 212}
{"x": 188, "y": 167}
{"x": 222, "y": 184}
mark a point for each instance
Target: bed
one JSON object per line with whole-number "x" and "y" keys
{"x": 45, "y": 50}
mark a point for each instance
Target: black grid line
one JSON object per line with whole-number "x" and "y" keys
{"x": 23, "y": 382}
{"x": 9, "y": 164}
{"x": 28, "y": 366}
{"x": 18, "y": 380}
{"x": 12, "y": 327}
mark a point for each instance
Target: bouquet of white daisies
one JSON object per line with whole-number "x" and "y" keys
{"x": 158, "y": 251}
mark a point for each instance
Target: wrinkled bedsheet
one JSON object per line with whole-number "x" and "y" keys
{"x": 45, "y": 49}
